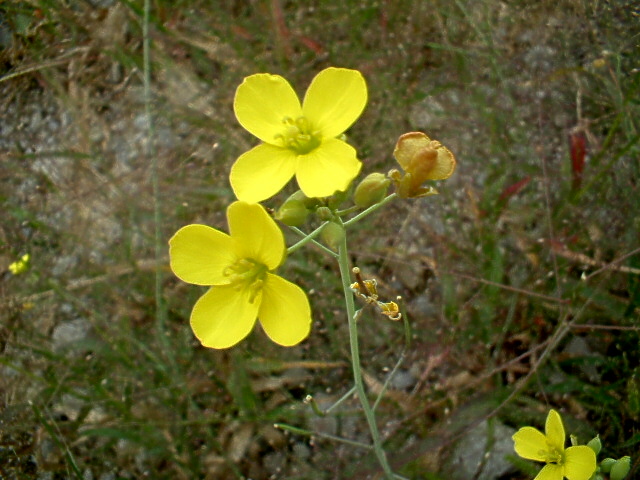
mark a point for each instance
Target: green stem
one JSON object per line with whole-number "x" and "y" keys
{"x": 341, "y": 400}
{"x": 308, "y": 238}
{"x": 343, "y": 261}
{"x": 370, "y": 210}
{"x": 309, "y": 433}
{"x": 346, "y": 211}
{"x": 150, "y": 154}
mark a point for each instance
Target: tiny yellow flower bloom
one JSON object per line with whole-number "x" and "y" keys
{"x": 20, "y": 266}
{"x": 238, "y": 268}
{"x": 574, "y": 463}
{"x": 368, "y": 291}
{"x": 422, "y": 159}
{"x": 390, "y": 310}
{"x": 298, "y": 139}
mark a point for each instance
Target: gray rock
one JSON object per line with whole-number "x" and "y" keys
{"x": 67, "y": 334}
{"x": 428, "y": 115}
{"x": 64, "y": 264}
{"x": 301, "y": 451}
{"x": 578, "y": 347}
{"x": 59, "y": 170}
{"x": 481, "y": 453}
{"x": 69, "y": 406}
{"x": 403, "y": 380}
{"x": 274, "y": 463}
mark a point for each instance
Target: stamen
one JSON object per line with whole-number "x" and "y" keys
{"x": 248, "y": 274}
{"x": 297, "y": 135}
{"x": 255, "y": 288}
{"x": 552, "y": 455}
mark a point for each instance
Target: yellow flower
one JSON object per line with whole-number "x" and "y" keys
{"x": 238, "y": 267}
{"x": 20, "y": 266}
{"x": 298, "y": 139}
{"x": 422, "y": 159}
{"x": 575, "y": 463}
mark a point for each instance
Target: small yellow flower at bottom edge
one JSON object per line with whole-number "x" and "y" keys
{"x": 574, "y": 463}
{"x": 238, "y": 269}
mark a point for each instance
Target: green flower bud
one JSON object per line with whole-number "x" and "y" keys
{"x": 293, "y": 211}
{"x": 574, "y": 440}
{"x": 371, "y": 190}
{"x": 299, "y": 196}
{"x": 606, "y": 464}
{"x": 332, "y": 235}
{"x": 324, "y": 213}
{"x": 595, "y": 444}
{"x": 620, "y": 468}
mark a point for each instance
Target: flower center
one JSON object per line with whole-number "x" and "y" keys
{"x": 297, "y": 135}
{"x": 248, "y": 274}
{"x": 553, "y": 455}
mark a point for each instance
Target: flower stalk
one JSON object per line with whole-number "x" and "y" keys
{"x": 343, "y": 261}
{"x": 370, "y": 210}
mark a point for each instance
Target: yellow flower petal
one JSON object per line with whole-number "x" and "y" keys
{"x": 555, "y": 431}
{"x": 335, "y": 99}
{"x": 445, "y": 165}
{"x": 580, "y": 463}
{"x": 223, "y": 316}
{"x": 262, "y": 102}
{"x": 530, "y": 443}
{"x": 284, "y": 314}
{"x": 412, "y": 153}
{"x": 329, "y": 168}
{"x": 198, "y": 254}
{"x": 550, "y": 471}
{"x": 256, "y": 234}
{"x": 409, "y": 145}
{"x": 261, "y": 172}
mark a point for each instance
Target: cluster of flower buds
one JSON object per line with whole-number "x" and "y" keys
{"x": 612, "y": 468}
{"x": 616, "y": 469}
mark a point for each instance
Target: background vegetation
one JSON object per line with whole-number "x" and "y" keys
{"x": 521, "y": 279}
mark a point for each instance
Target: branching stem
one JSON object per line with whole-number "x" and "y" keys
{"x": 343, "y": 261}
